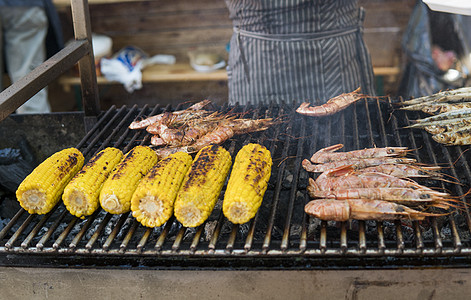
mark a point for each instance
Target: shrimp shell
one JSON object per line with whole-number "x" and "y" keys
{"x": 328, "y": 154}
{"x": 158, "y": 118}
{"x": 346, "y": 177}
{"x": 404, "y": 170}
{"x": 356, "y": 163}
{"x": 332, "y": 106}
{"x": 361, "y": 209}
{"x": 405, "y": 196}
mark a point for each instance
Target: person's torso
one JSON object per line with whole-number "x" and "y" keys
{"x": 292, "y": 16}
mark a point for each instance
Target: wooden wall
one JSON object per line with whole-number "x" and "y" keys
{"x": 179, "y": 26}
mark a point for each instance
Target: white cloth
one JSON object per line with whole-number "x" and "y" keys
{"x": 23, "y": 31}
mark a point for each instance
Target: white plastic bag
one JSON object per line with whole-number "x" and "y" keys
{"x": 127, "y": 64}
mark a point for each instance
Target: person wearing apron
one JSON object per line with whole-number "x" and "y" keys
{"x": 296, "y": 50}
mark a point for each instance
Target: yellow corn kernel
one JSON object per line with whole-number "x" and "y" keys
{"x": 247, "y": 183}
{"x": 152, "y": 202}
{"x": 81, "y": 194}
{"x": 116, "y": 193}
{"x": 41, "y": 190}
{"x": 202, "y": 185}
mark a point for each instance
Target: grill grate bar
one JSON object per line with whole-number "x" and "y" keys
{"x": 178, "y": 239}
{"x": 128, "y": 236}
{"x": 106, "y": 128}
{"x": 115, "y": 231}
{"x": 98, "y": 125}
{"x": 164, "y": 233}
{"x": 143, "y": 240}
{"x": 36, "y": 229}
{"x": 116, "y": 129}
{"x": 232, "y": 238}
{"x": 418, "y": 234}
{"x": 194, "y": 244}
{"x": 400, "y": 236}
{"x": 82, "y": 231}
{"x": 217, "y": 231}
{"x": 276, "y": 198}
{"x": 50, "y": 231}
{"x": 304, "y": 231}
{"x": 20, "y": 230}
{"x": 64, "y": 234}
{"x": 294, "y": 186}
{"x": 381, "y": 242}
{"x": 343, "y": 237}
{"x": 97, "y": 232}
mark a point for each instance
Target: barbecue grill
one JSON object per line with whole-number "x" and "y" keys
{"x": 280, "y": 237}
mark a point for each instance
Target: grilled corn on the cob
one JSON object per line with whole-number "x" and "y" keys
{"x": 81, "y": 194}
{"x": 247, "y": 183}
{"x": 152, "y": 202}
{"x": 202, "y": 185}
{"x": 116, "y": 193}
{"x": 41, "y": 190}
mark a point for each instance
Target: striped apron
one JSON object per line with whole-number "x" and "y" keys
{"x": 296, "y": 50}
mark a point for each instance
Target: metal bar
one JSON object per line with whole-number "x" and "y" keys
{"x": 36, "y": 229}
{"x": 104, "y": 131}
{"x": 18, "y": 232}
{"x": 42, "y": 241}
{"x": 64, "y": 234}
{"x": 196, "y": 239}
{"x": 86, "y": 65}
{"x": 178, "y": 239}
{"x": 294, "y": 187}
{"x": 96, "y": 234}
{"x": 276, "y": 198}
{"x": 217, "y": 231}
{"x": 164, "y": 233}
{"x": 143, "y": 240}
{"x": 232, "y": 237}
{"x": 11, "y": 223}
{"x": 26, "y": 87}
{"x": 97, "y": 125}
{"x": 115, "y": 231}
{"x": 128, "y": 236}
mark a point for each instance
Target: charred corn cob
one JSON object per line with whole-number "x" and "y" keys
{"x": 202, "y": 185}
{"x": 247, "y": 183}
{"x": 81, "y": 194}
{"x": 152, "y": 202}
{"x": 41, "y": 190}
{"x": 117, "y": 190}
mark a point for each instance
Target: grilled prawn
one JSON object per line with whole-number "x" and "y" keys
{"x": 359, "y": 163}
{"x": 404, "y": 170}
{"x": 346, "y": 177}
{"x": 328, "y": 154}
{"x": 225, "y": 130}
{"x": 332, "y": 106}
{"x": 193, "y": 111}
{"x": 361, "y": 209}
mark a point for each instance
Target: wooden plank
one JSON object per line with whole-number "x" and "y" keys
{"x": 185, "y": 73}
{"x": 384, "y": 46}
{"x": 152, "y": 23}
{"x": 176, "y": 41}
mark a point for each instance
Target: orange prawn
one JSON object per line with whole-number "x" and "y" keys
{"x": 332, "y": 106}
{"x": 361, "y": 209}
{"x": 328, "y": 154}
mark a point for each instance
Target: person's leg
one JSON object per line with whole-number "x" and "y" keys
{"x": 25, "y": 31}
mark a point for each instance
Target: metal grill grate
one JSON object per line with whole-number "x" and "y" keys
{"x": 281, "y": 234}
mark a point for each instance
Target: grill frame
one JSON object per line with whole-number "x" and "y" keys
{"x": 329, "y": 245}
